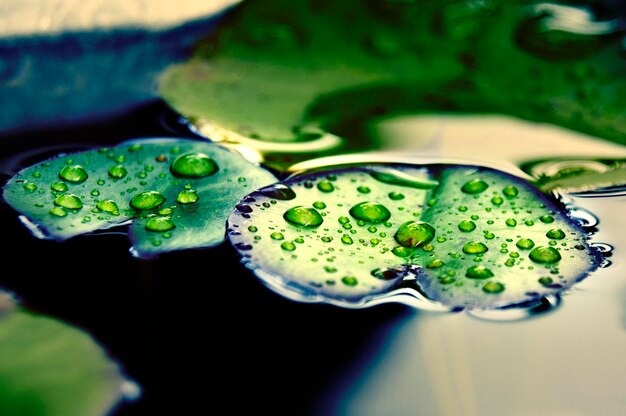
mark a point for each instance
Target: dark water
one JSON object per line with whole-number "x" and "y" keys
{"x": 188, "y": 320}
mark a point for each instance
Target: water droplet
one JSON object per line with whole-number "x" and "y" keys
{"x": 253, "y": 229}
{"x": 73, "y": 173}
{"x": 435, "y": 264}
{"x": 68, "y": 201}
{"x": 288, "y": 246}
{"x": 325, "y": 186}
{"x": 327, "y": 239}
{"x": 475, "y": 186}
{"x": 395, "y": 196}
{"x": 363, "y": 190}
{"x": 389, "y": 274}
{"x": 529, "y": 223}
{"x": 401, "y": 251}
{"x": 463, "y": 208}
{"x": 546, "y": 219}
{"x": 511, "y": 222}
{"x": 414, "y": 233}
{"x": 147, "y": 200}
{"x": 349, "y": 280}
{"x": 510, "y": 191}
{"x": 346, "y": 239}
{"x": 319, "y": 205}
{"x": 59, "y": 187}
{"x": 29, "y": 186}
{"x": 279, "y": 191}
{"x": 555, "y": 234}
{"x": 525, "y": 243}
{"x": 187, "y": 196}
{"x": 546, "y": 281}
{"x": 118, "y": 172}
{"x": 397, "y": 177}
{"x": 493, "y": 287}
{"x": 474, "y": 247}
{"x": 370, "y": 212}
{"x": 109, "y": 206}
{"x": 134, "y": 148}
{"x": 58, "y": 212}
{"x": 277, "y": 236}
{"x": 544, "y": 254}
{"x": 489, "y": 236}
{"x": 478, "y": 272}
{"x": 193, "y": 165}
{"x": 160, "y": 224}
{"x": 329, "y": 269}
{"x": 303, "y": 216}
{"x": 497, "y": 200}
{"x": 432, "y": 202}
{"x": 467, "y": 226}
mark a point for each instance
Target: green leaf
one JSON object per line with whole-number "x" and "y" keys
{"x": 178, "y": 193}
{"x": 52, "y": 369}
{"x": 277, "y": 70}
{"x": 462, "y": 236}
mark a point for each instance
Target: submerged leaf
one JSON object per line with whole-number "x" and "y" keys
{"x": 475, "y": 238}
{"x": 49, "y": 368}
{"x": 178, "y": 193}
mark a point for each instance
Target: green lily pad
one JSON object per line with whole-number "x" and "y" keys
{"x": 49, "y": 368}
{"x": 178, "y": 193}
{"x": 281, "y": 72}
{"x": 461, "y": 236}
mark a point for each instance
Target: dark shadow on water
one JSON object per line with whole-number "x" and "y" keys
{"x": 195, "y": 329}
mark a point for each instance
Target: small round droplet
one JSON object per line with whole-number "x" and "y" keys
{"x": 349, "y": 280}
{"x": 325, "y": 186}
{"x": 193, "y": 165}
{"x": 147, "y": 200}
{"x": 253, "y": 229}
{"x": 370, "y": 212}
{"x": 511, "y": 222}
{"x": 118, "y": 172}
{"x": 478, "y": 272}
{"x": 546, "y": 219}
{"x": 160, "y": 224}
{"x": 277, "y": 236}
{"x": 555, "y": 234}
{"x": 68, "y": 201}
{"x": 493, "y": 287}
{"x": 545, "y": 281}
{"x": 475, "y": 186}
{"x": 467, "y": 226}
{"x": 363, "y": 190}
{"x": 510, "y": 191}
{"x": 525, "y": 243}
{"x": 346, "y": 239}
{"x": 58, "y": 212}
{"x": 401, "y": 251}
{"x": 288, "y": 246}
{"x": 474, "y": 247}
{"x": 414, "y": 233}
{"x": 497, "y": 200}
{"x": 108, "y": 205}
{"x": 543, "y": 254}
{"x": 29, "y": 186}
{"x": 319, "y": 205}
{"x": 303, "y": 216}
{"x": 435, "y": 264}
{"x": 395, "y": 196}
{"x": 73, "y": 173}
{"x": 59, "y": 187}
{"x": 187, "y": 196}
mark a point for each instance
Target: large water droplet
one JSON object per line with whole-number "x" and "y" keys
{"x": 147, "y": 200}
{"x": 525, "y": 243}
{"x": 303, "y": 216}
{"x": 193, "y": 165}
{"x": 160, "y": 224}
{"x": 73, "y": 173}
{"x": 370, "y": 212}
{"x": 467, "y": 226}
{"x": 414, "y": 233}
{"x": 475, "y": 186}
{"x": 474, "y": 247}
{"x": 543, "y": 254}
{"x": 109, "y": 206}
{"x": 478, "y": 272}
{"x": 68, "y": 201}
{"x": 555, "y": 234}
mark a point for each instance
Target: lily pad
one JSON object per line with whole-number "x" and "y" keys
{"x": 461, "y": 236}
{"x": 279, "y": 71}
{"x": 177, "y": 193}
{"x": 50, "y": 368}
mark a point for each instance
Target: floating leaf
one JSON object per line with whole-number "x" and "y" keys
{"x": 469, "y": 237}
{"x": 279, "y": 71}
{"x": 50, "y": 368}
{"x": 178, "y": 193}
